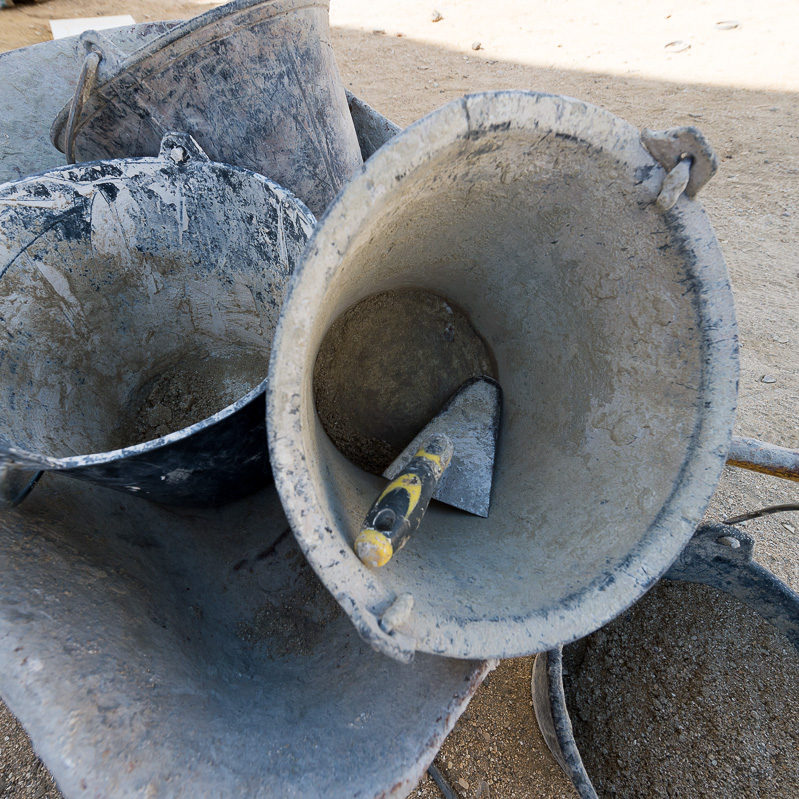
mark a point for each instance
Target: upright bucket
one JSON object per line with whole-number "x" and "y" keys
{"x": 255, "y": 82}
{"x": 139, "y": 300}
{"x": 720, "y": 557}
{"x": 529, "y": 224}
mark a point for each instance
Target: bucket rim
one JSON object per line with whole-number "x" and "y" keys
{"x": 357, "y": 589}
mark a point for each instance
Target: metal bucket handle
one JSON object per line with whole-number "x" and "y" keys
{"x": 98, "y": 49}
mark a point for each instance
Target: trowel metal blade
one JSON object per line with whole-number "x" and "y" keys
{"x": 471, "y": 420}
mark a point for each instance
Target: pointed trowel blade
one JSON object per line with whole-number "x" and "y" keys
{"x": 471, "y": 420}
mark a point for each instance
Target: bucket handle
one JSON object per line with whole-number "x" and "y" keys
{"x": 99, "y": 50}
{"x": 85, "y": 86}
{"x": 687, "y": 157}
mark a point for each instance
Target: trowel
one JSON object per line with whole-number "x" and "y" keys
{"x": 451, "y": 460}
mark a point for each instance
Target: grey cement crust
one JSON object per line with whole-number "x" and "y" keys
{"x": 162, "y": 653}
{"x": 718, "y": 556}
{"x": 132, "y": 283}
{"x": 255, "y": 82}
{"x": 613, "y": 328}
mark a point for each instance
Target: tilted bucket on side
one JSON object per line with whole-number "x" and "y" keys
{"x": 153, "y": 651}
{"x": 139, "y": 300}
{"x": 522, "y": 229}
{"x": 255, "y": 82}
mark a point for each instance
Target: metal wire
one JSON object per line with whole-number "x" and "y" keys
{"x": 440, "y": 780}
{"x": 745, "y": 517}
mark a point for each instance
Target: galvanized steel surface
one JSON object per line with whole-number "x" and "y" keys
{"x": 613, "y": 329}
{"x": 121, "y": 278}
{"x": 470, "y": 420}
{"x": 254, "y": 81}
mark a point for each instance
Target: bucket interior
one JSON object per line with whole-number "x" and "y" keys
{"x": 672, "y": 694}
{"x": 587, "y": 299}
{"x": 145, "y": 305}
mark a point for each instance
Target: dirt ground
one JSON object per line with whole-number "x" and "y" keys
{"x": 656, "y": 65}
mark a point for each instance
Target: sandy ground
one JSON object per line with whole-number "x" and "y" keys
{"x": 737, "y": 82}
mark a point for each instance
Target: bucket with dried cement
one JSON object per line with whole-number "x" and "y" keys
{"x": 139, "y": 300}
{"x": 255, "y": 82}
{"x": 693, "y": 692}
{"x": 523, "y": 232}
{"x": 152, "y": 651}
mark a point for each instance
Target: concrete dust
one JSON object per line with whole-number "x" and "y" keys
{"x": 295, "y": 620}
{"x": 387, "y": 366}
{"x": 188, "y": 392}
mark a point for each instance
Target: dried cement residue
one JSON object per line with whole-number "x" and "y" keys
{"x": 296, "y": 618}
{"x": 386, "y": 367}
{"x": 688, "y": 694}
{"x": 182, "y": 394}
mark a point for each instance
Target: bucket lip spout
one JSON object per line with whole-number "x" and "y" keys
{"x": 359, "y": 590}
{"x": 76, "y": 182}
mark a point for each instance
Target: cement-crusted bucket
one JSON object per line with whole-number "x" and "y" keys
{"x": 191, "y": 653}
{"x": 151, "y": 651}
{"x": 139, "y": 300}
{"x": 527, "y": 233}
{"x": 255, "y": 82}
{"x": 718, "y": 556}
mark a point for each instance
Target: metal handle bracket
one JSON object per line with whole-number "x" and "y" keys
{"x": 679, "y": 151}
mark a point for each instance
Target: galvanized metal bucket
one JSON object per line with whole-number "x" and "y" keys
{"x": 255, "y": 82}
{"x": 718, "y": 556}
{"x": 611, "y": 326}
{"x": 140, "y": 298}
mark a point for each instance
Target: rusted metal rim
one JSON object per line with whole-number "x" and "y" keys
{"x": 760, "y": 456}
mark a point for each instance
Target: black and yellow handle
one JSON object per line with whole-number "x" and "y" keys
{"x": 398, "y": 511}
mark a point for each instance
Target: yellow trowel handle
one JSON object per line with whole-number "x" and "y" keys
{"x": 398, "y": 511}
